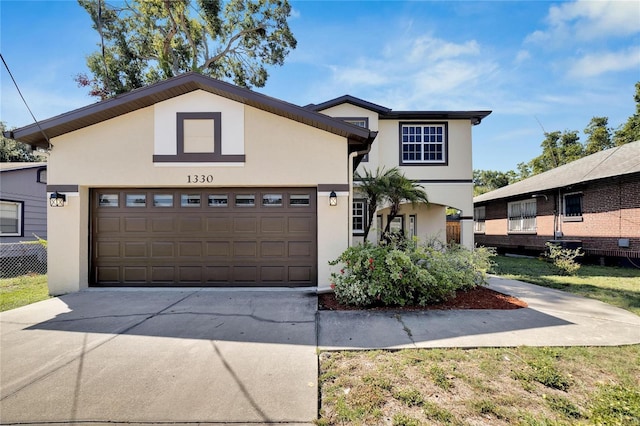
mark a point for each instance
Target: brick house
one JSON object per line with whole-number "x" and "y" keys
{"x": 593, "y": 202}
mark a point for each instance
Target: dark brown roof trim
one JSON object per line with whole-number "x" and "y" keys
{"x": 176, "y": 86}
{"x": 475, "y": 116}
{"x": 348, "y": 99}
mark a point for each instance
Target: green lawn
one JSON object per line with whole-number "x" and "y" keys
{"x": 23, "y": 290}
{"x": 617, "y": 286}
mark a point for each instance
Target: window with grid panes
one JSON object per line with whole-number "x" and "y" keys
{"x": 423, "y": 143}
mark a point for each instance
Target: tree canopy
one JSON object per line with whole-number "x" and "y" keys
{"x": 12, "y": 151}
{"x": 146, "y": 41}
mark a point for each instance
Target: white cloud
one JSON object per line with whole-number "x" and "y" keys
{"x": 589, "y": 20}
{"x": 595, "y": 64}
{"x": 435, "y": 49}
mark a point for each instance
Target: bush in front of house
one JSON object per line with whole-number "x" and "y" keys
{"x": 403, "y": 273}
{"x": 564, "y": 259}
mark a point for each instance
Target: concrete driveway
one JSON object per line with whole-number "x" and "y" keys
{"x": 171, "y": 356}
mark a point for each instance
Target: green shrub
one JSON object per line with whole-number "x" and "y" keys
{"x": 564, "y": 259}
{"x": 402, "y": 272}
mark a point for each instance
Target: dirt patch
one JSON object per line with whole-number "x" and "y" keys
{"x": 477, "y": 298}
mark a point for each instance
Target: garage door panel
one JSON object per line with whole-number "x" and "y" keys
{"x": 245, "y": 225}
{"x": 245, "y": 249}
{"x": 190, "y": 274}
{"x": 219, "y": 224}
{"x": 217, "y": 274}
{"x": 164, "y": 249}
{"x": 105, "y": 225}
{"x": 106, "y": 249}
{"x": 272, "y": 225}
{"x": 135, "y": 224}
{"x": 163, "y": 274}
{"x": 163, "y": 224}
{"x": 245, "y": 274}
{"x": 166, "y": 243}
{"x": 134, "y": 274}
{"x": 108, "y": 274}
{"x": 219, "y": 248}
{"x": 190, "y": 249}
{"x": 301, "y": 249}
{"x": 191, "y": 224}
{"x": 299, "y": 225}
{"x": 272, "y": 274}
{"x": 300, "y": 274}
{"x": 272, "y": 249}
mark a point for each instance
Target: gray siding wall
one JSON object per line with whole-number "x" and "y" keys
{"x": 22, "y": 185}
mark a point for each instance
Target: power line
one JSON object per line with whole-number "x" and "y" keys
{"x": 25, "y": 102}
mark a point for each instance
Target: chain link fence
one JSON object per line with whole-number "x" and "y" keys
{"x": 29, "y": 257}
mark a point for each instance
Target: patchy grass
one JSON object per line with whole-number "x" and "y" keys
{"x": 23, "y": 290}
{"x": 524, "y": 386}
{"x": 617, "y": 286}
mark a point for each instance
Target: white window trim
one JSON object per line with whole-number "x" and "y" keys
{"x": 522, "y": 223}
{"x": 479, "y": 219}
{"x": 577, "y": 218}
{"x": 20, "y": 230}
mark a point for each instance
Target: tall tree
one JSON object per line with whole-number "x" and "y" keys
{"x": 13, "y": 151}
{"x": 488, "y": 180}
{"x": 598, "y": 135}
{"x": 558, "y": 148}
{"x": 630, "y": 131}
{"x": 146, "y": 41}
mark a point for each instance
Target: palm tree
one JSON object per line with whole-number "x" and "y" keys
{"x": 399, "y": 189}
{"x": 374, "y": 187}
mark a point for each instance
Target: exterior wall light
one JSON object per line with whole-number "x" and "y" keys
{"x": 333, "y": 199}
{"x": 57, "y": 199}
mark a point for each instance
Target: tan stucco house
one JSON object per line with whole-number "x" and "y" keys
{"x": 197, "y": 182}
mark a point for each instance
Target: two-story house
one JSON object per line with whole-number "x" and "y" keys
{"x": 196, "y": 182}
{"x": 430, "y": 147}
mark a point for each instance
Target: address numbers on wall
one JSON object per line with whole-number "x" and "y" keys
{"x": 199, "y": 178}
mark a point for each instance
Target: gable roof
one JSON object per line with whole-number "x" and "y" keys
{"x": 176, "y": 86}
{"x": 388, "y": 114}
{"x": 618, "y": 161}
{"x": 348, "y": 99}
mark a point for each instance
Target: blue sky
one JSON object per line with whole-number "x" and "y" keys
{"x": 537, "y": 65}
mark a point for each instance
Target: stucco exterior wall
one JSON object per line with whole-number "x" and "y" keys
{"x": 119, "y": 153}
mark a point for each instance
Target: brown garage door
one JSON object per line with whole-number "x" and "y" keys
{"x": 204, "y": 237}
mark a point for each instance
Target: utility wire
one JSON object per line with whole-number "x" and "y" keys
{"x": 25, "y": 102}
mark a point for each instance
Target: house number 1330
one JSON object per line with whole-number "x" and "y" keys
{"x": 199, "y": 178}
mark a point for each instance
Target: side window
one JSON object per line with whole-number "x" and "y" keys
{"x": 11, "y": 218}
{"x": 572, "y": 206}
{"x": 359, "y": 215}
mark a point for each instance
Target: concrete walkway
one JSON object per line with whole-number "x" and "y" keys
{"x": 553, "y": 318}
{"x": 200, "y": 356}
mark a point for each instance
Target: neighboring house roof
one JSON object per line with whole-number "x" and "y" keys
{"x": 176, "y": 86}
{"x": 386, "y": 113}
{"x": 6, "y": 167}
{"x": 618, "y": 161}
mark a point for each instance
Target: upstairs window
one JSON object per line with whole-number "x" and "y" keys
{"x": 522, "y": 216}
{"x": 423, "y": 143}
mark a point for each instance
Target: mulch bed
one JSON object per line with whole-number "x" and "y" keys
{"x": 477, "y": 298}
